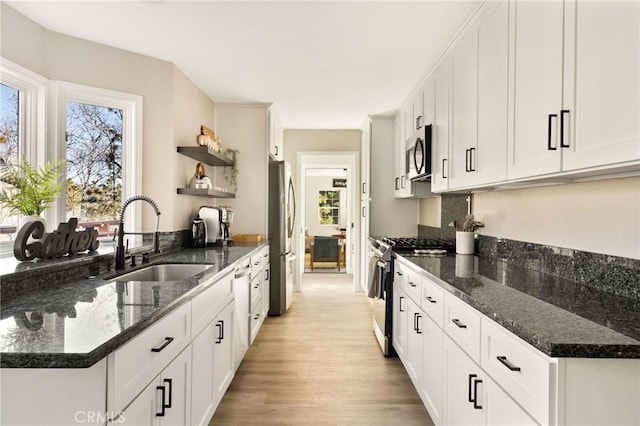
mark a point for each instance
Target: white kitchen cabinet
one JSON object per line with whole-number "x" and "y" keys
{"x": 464, "y": 111}
{"x": 133, "y": 366}
{"x": 537, "y": 88}
{"x": 166, "y": 401}
{"x": 276, "y": 136}
{"x": 212, "y": 365}
{"x": 601, "y": 84}
{"x": 431, "y": 385}
{"x": 490, "y": 157}
{"x": 414, "y": 324}
{"x": 472, "y": 398}
{"x": 576, "y": 73}
{"x": 440, "y": 129}
{"x": 399, "y": 320}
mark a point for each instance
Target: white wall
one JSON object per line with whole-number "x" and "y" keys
{"x": 600, "y": 216}
{"x": 174, "y": 108}
{"x": 312, "y": 222}
{"x": 430, "y": 209}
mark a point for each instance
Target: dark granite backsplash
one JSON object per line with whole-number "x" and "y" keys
{"x": 41, "y": 273}
{"x": 616, "y": 275}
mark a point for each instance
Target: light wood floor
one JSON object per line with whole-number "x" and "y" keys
{"x": 320, "y": 364}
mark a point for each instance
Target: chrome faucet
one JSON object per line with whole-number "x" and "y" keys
{"x": 120, "y": 249}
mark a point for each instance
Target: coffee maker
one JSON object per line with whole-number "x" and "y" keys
{"x": 217, "y": 220}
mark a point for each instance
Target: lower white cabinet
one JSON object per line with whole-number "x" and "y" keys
{"x": 399, "y": 323}
{"x": 212, "y": 365}
{"x": 413, "y": 355}
{"x": 166, "y": 400}
{"x": 472, "y": 398}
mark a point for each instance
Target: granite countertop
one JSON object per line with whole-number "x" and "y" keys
{"x": 559, "y": 317}
{"x": 75, "y": 324}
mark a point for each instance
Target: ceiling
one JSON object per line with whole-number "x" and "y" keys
{"x": 325, "y": 65}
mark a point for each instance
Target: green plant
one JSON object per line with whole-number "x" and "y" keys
{"x": 29, "y": 190}
{"x": 232, "y": 175}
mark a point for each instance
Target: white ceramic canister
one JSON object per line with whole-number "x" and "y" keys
{"x": 465, "y": 242}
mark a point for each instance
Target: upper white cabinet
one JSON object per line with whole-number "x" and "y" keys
{"x": 464, "y": 111}
{"x": 440, "y": 127}
{"x": 576, "y": 74}
{"x": 602, "y": 83}
{"x": 276, "y": 136}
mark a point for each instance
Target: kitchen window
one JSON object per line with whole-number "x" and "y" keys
{"x": 101, "y": 145}
{"x": 329, "y": 207}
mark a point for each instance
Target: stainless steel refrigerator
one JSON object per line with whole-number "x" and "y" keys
{"x": 282, "y": 212}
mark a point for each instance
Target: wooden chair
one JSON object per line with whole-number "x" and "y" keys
{"x": 325, "y": 249}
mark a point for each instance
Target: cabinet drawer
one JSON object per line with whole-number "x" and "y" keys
{"x": 414, "y": 285}
{"x": 255, "y": 291}
{"x": 207, "y": 304}
{"x": 432, "y": 301}
{"x": 255, "y": 321}
{"x": 462, "y": 324}
{"x": 399, "y": 274}
{"x": 523, "y": 372}
{"x": 132, "y": 367}
{"x": 256, "y": 264}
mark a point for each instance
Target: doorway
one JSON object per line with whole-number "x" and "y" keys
{"x": 328, "y": 185}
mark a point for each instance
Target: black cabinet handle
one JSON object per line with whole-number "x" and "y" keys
{"x": 443, "y": 168}
{"x": 220, "y": 327}
{"x": 475, "y": 394}
{"x": 549, "y": 132}
{"x": 397, "y": 183}
{"x": 169, "y": 382}
{"x": 400, "y": 304}
{"x": 562, "y": 113}
{"x": 466, "y": 160}
{"x": 418, "y": 330}
{"x": 256, "y": 317}
{"x": 164, "y": 345}
{"x": 471, "y": 377}
{"x": 419, "y": 122}
{"x": 415, "y": 321}
{"x": 363, "y": 212}
{"x": 412, "y": 284}
{"x": 504, "y": 361}
{"x": 364, "y": 187}
{"x": 276, "y": 147}
{"x": 457, "y": 322}
{"x": 399, "y": 273}
{"x": 402, "y": 181}
{"x": 162, "y": 406}
{"x": 430, "y": 299}
{"x": 472, "y": 167}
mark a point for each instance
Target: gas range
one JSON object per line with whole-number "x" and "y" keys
{"x": 418, "y": 246}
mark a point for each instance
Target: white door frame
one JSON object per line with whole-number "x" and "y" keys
{"x": 350, "y": 161}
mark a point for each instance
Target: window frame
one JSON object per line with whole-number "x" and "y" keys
{"x": 331, "y": 207}
{"x": 132, "y": 107}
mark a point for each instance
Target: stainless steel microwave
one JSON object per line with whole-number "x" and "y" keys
{"x": 418, "y": 155}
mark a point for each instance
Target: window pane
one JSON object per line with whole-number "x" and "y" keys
{"x": 94, "y": 165}
{"x": 329, "y": 207}
{"x": 9, "y": 129}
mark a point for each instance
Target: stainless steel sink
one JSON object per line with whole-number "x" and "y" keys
{"x": 166, "y": 272}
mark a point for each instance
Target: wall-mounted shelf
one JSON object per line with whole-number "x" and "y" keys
{"x": 211, "y": 193}
{"x": 205, "y": 155}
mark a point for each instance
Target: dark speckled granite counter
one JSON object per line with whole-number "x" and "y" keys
{"x": 559, "y": 317}
{"x": 77, "y": 323}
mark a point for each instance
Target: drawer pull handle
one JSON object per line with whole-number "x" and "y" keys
{"x": 412, "y": 284}
{"x": 507, "y": 363}
{"x": 220, "y": 326}
{"x": 475, "y": 394}
{"x": 164, "y": 345}
{"x": 430, "y": 299}
{"x": 162, "y": 406}
{"x": 400, "y": 303}
{"x": 457, "y": 322}
{"x": 170, "y": 383}
{"x": 471, "y": 377}
{"x": 256, "y": 317}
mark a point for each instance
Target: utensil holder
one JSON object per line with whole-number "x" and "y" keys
{"x": 465, "y": 242}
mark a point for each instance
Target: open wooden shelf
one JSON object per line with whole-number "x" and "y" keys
{"x": 211, "y": 193}
{"x": 205, "y": 155}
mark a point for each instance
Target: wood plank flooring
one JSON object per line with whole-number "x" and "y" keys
{"x": 319, "y": 364}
